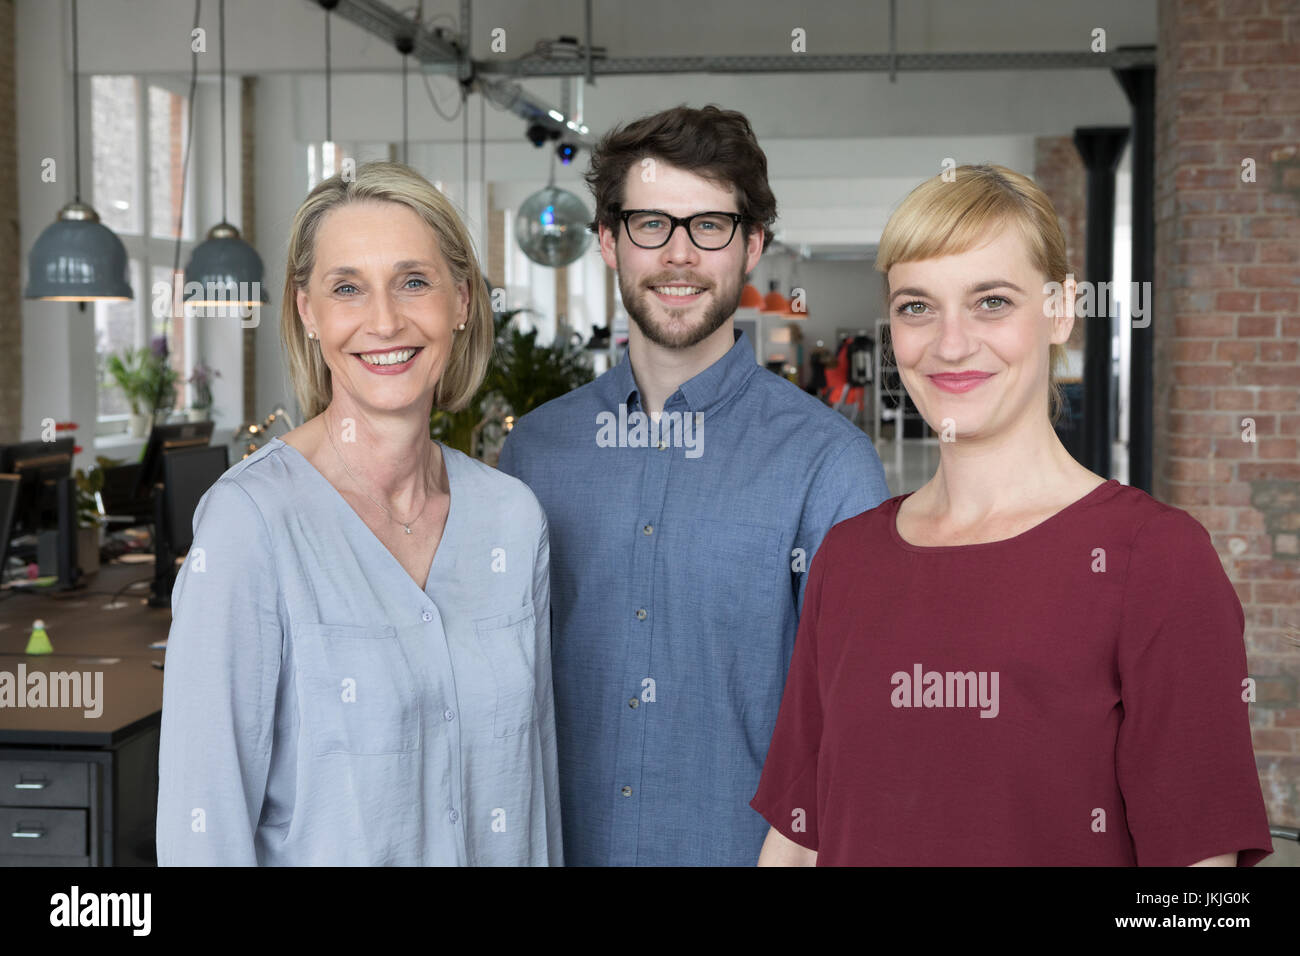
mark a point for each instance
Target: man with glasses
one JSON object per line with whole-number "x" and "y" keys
{"x": 686, "y": 491}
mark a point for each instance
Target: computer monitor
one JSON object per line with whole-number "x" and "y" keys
{"x": 165, "y": 438}
{"x": 38, "y": 464}
{"x": 119, "y": 506}
{"x": 187, "y": 474}
{"x": 8, "y": 499}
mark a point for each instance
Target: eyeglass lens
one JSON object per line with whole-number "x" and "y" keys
{"x": 709, "y": 231}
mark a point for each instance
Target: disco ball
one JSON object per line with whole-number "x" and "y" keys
{"x": 551, "y": 227}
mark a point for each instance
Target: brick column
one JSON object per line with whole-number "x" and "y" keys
{"x": 13, "y": 264}
{"x": 1227, "y": 285}
{"x": 1059, "y": 172}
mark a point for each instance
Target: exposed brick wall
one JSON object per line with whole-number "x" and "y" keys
{"x": 1228, "y": 328}
{"x": 13, "y": 265}
{"x": 1060, "y": 173}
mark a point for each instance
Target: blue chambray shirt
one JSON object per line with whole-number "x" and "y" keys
{"x": 677, "y": 576}
{"x": 320, "y": 707}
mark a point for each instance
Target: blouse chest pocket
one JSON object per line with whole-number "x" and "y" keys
{"x": 359, "y": 695}
{"x": 509, "y": 642}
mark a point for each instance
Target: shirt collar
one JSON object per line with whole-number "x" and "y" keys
{"x": 704, "y": 392}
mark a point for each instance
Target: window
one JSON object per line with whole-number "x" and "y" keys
{"x": 133, "y": 117}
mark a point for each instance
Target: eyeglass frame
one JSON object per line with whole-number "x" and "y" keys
{"x": 684, "y": 222}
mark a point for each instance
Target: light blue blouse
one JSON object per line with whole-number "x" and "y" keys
{"x": 321, "y": 708}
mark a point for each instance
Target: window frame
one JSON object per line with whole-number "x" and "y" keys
{"x": 147, "y": 250}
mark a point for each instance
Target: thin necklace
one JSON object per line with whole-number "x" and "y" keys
{"x": 406, "y": 525}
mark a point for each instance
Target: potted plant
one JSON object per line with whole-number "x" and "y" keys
{"x": 200, "y": 409}
{"x": 146, "y": 378}
{"x": 90, "y": 526}
{"x": 520, "y": 376}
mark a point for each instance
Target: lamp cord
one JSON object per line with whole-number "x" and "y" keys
{"x": 328, "y": 137}
{"x": 76, "y": 103}
{"x": 221, "y": 13}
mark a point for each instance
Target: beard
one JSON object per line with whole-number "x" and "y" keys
{"x": 723, "y": 300}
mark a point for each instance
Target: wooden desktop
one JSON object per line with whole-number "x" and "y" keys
{"x": 79, "y": 790}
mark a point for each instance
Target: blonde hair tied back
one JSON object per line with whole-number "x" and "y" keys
{"x": 397, "y": 183}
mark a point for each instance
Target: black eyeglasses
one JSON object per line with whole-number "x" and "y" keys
{"x": 651, "y": 229}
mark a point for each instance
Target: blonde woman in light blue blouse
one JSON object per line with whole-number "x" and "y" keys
{"x": 358, "y": 670}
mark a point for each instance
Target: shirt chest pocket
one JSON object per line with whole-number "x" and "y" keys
{"x": 746, "y": 574}
{"x": 359, "y": 695}
{"x": 508, "y": 642}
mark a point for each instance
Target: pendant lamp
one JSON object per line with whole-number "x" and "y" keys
{"x": 774, "y": 301}
{"x": 224, "y": 271}
{"x": 77, "y": 258}
{"x": 750, "y": 297}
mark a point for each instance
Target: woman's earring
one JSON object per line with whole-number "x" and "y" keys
{"x": 461, "y": 327}
{"x": 311, "y": 335}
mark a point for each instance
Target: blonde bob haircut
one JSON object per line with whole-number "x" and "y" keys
{"x": 945, "y": 218}
{"x": 386, "y": 182}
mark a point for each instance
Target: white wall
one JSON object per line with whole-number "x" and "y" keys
{"x": 843, "y": 149}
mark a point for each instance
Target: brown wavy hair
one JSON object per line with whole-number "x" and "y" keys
{"x": 714, "y": 143}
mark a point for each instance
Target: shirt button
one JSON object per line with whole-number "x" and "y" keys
{"x": 648, "y": 529}
{"x": 448, "y": 715}
{"x": 640, "y": 614}
{"x": 663, "y": 445}
{"x": 634, "y": 703}
{"x": 627, "y": 791}
{"x": 426, "y": 617}
{"x": 453, "y": 816}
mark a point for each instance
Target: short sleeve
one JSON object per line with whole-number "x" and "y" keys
{"x": 1184, "y": 759}
{"x": 219, "y": 684}
{"x": 787, "y": 789}
{"x": 852, "y": 481}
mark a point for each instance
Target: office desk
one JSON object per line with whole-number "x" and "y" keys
{"x": 80, "y": 789}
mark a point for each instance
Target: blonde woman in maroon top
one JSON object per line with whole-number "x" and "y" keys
{"x": 1021, "y": 663}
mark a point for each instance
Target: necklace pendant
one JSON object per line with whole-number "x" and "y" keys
{"x": 407, "y": 527}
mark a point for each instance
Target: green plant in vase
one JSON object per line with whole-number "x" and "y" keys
{"x": 148, "y": 382}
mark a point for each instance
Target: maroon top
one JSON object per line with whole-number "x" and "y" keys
{"x": 1069, "y": 696}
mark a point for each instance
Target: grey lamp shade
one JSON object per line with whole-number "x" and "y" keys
{"x": 227, "y": 269}
{"x": 77, "y": 259}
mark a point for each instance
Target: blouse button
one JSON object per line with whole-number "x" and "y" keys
{"x": 426, "y": 617}
{"x": 448, "y": 715}
{"x": 453, "y": 816}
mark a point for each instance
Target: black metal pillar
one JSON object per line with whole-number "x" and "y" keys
{"x": 1100, "y": 147}
{"x": 1139, "y": 83}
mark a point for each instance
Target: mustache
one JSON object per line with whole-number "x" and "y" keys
{"x": 679, "y": 280}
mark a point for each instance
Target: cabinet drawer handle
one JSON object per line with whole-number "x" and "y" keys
{"x": 28, "y": 834}
{"x": 32, "y": 785}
